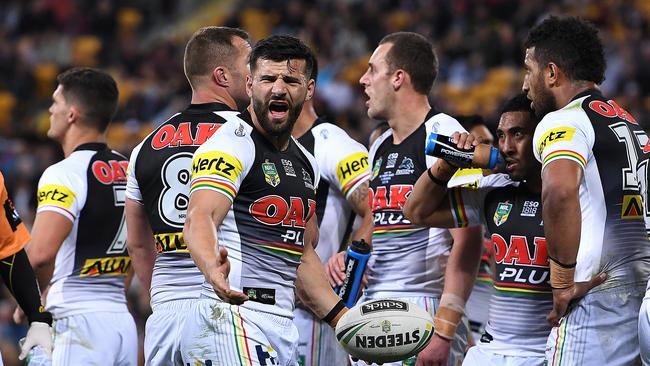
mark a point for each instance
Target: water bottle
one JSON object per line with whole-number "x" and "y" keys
{"x": 356, "y": 258}
{"x": 481, "y": 156}
{"x": 36, "y": 356}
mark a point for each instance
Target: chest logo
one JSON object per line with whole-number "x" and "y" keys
{"x": 530, "y": 208}
{"x": 502, "y": 213}
{"x": 288, "y": 168}
{"x": 405, "y": 167}
{"x": 240, "y": 132}
{"x": 307, "y": 179}
{"x": 375, "y": 169}
{"x": 271, "y": 175}
{"x": 392, "y": 160}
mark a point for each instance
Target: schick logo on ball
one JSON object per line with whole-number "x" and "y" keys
{"x": 383, "y": 305}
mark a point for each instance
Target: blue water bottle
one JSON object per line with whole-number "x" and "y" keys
{"x": 480, "y": 156}
{"x": 356, "y": 258}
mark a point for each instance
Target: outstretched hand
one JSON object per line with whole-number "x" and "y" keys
{"x": 218, "y": 277}
{"x": 562, "y": 298}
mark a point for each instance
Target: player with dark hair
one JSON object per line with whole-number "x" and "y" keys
{"x": 251, "y": 222}
{"x": 594, "y": 175}
{"x": 158, "y": 186}
{"x": 341, "y": 194}
{"x": 410, "y": 262}
{"x": 78, "y": 247}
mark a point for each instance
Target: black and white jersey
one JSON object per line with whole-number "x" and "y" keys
{"x": 88, "y": 187}
{"x": 159, "y": 178}
{"x": 343, "y": 165}
{"x": 407, "y": 260}
{"x": 612, "y": 149}
{"x": 273, "y": 197}
{"x": 522, "y": 298}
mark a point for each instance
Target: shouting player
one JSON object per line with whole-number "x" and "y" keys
{"x": 79, "y": 235}
{"x": 590, "y": 149}
{"x": 215, "y": 64}
{"x": 253, "y": 199}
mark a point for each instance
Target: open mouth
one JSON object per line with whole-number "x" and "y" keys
{"x": 278, "y": 109}
{"x": 510, "y": 164}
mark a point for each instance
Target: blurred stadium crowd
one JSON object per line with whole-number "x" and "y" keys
{"x": 141, "y": 44}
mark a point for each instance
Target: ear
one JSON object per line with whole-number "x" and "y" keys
{"x": 74, "y": 114}
{"x": 552, "y": 74}
{"x": 311, "y": 87}
{"x": 221, "y": 76}
{"x": 399, "y": 79}
{"x": 249, "y": 85}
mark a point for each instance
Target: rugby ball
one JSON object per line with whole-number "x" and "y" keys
{"x": 383, "y": 331}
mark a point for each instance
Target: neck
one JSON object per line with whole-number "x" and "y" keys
{"x": 279, "y": 142}
{"x": 534, "y": 182}
{"x": 206, "y": 95}
{"x": 74, "y": 139}
{"x": 305, "y": 120}
{"x": 564, "y": 94}
{"x": 408, "y": 116}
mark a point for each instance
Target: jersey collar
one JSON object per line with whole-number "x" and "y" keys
{"x": 94, "y": 146}
{"x": 215, "y": 106}
{"x": 591, "y": 91}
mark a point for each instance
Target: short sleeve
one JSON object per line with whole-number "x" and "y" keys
{"x": 13, "y": 233}
{"x": 343, "y": 161}
{"x": 62, "y": 191}
{"x": 563, "y": 135}
{"x": 222, "y": 162}
{"x": 132, "y": 186}
{"x": 442, "y": 124}
{"x": 467, "y": 202}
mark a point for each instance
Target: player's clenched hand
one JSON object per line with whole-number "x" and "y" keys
{"x": 562, "y": 298}
{"x": 218, "y": 277}
{"x": 335, "y": 269}
{"x": 464, "y": 140}
{"x": 436, "y": 353}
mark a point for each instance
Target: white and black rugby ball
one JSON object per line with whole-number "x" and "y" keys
{"x": 383, "y": 331}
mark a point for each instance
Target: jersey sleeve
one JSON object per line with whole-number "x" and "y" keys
{"x": 441, "y": 124}
{"x": 563, "y": 135}
{"x": 343, "y": 161}
{"x": 222, "y": 162}
{"x": 62, "y": 191}
{"x": 467, "y": 202}
{"x": 13, "y": 233}
{"x": 132, "y": 186}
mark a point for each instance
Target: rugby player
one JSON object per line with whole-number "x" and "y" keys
{"x": 215, "y": 64}
{"x": 410, "y": 262}
{"x": 590, "y": 149}
{"x": 251, "y": 225}
{"x": 78, "y": 247}
{"x": 342, "y": 191}
{"x": 19, "y": 278}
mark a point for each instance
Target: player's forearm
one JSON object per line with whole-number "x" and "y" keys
{"x": 463, "y": 261}
{"x": 562, "y": 222}
{"x": 19, "y": 278}
{"x": 312, "y": 287}
{"x": 43, "y": 266}
{"x": 428, "y": 194}
{"x": 140, "y": 242}
{"x": 143, "y": 257}
{"x": 359, "y": 202}
{"x": 200, "y": 236}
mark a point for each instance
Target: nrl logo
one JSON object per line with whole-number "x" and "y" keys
{"x": 270, "y": 174}
{"x": 502, "y": 213}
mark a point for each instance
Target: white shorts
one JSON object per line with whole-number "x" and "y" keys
{"x": 97, "y": 338}
{"x": 430, "y": 304}
{"x": 479, "y": 356}
{"x": 644, "y": 329}
{"x": 162, "y": 335}
{"x": 600, "y": 329}
{"x": 317, "y": 345}
{"x": 216, "y": 333}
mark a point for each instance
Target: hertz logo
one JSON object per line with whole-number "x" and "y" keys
{"x": 555, "y": 135}
{"x": 350, "y": 167}
{"x": 57, "y": 195}
{"x": 216, "y": 163}
{"x": 110, "y": 266}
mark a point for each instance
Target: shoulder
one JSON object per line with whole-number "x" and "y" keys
{"x": 496, "y": 181}
{"x": 443, "y": 124}
{"x": 233, "y": 135}
{"x": 380, "y": 141}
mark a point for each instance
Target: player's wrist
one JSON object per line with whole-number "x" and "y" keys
{"x": 448, "y": 316}
{"x": 335, "y": 314}
{"x": 562, "y": 274}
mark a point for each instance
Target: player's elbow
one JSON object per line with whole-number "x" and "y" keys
{"x": 413, "y": 213}
{"x": 40, "y": 259}
{"x": 556, "y": 194}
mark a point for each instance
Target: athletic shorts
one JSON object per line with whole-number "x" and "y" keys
{"x": 317, "y": 345}
{"x": 216, "y": 333}
{"x": 644, "y": 329}
{"x": 97, "y": 338}
{"x": 162, "y": 335}
{"x": 479, "y": 356}
{"x": 599, "y": 329}
{"x": 430, "y": 304}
